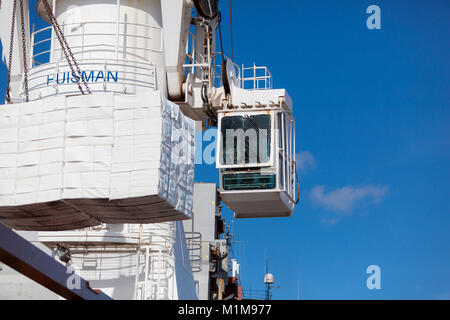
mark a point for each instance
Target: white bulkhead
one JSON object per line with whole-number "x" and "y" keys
{"x": 130, "y": 261}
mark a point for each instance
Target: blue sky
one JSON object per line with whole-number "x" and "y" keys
{"x": 372, "y": 124}
{"x": 373, "y": 142}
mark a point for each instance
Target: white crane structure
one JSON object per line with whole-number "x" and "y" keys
{"x": 97, "y": 136}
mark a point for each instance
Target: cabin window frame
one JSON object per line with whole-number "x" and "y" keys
{"x": 286, "y": 153}
{"x": 281, "y": 151}
{"x": 272, "y": 144}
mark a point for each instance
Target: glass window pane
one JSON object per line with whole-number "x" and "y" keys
{"x": 245, "y": 139}
{"x": 281, "y": 170}
{"x": 280, "y": 130}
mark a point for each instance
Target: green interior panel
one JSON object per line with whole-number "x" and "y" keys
{"x": 249, "y": 181}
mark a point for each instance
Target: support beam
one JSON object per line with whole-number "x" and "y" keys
{"x": 32, "y": 262}
{"x": 176, "y": 18}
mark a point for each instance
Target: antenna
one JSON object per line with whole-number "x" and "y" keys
{"x": 267, "y": 261}
{"x": 268, "y": 277}
{"x": 231, "y": 32}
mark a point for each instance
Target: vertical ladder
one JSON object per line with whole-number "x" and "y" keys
{"x": 154, "y": 273}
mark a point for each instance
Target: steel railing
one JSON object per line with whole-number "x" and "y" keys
{"x": 256, "y": 78}
{"x": 46, "y": 46}
{"x": 194, "y": 245}
{"x": 133, "y": 74}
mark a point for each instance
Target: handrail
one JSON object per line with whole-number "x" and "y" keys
{"x": 256, "y": 79}
{"x": 194, "y": 246}
{"x": 47, "y": 41}
{"x": 136, "y": 74}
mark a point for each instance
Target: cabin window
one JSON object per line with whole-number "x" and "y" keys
{"x": 248, "y": 181}
{"x": 246, "y": 139}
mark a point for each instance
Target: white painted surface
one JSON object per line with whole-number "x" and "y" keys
{"x": 101, "y": 147}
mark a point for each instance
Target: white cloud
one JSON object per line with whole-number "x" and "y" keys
{"x": 345, "y": 199}
{"x": 305, "y": 161}
{"x": 330, "y": 221}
